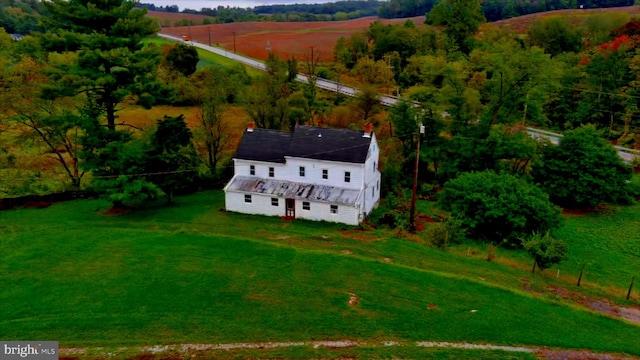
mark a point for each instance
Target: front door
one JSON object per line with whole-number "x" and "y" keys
{"x": 291, "y": 208}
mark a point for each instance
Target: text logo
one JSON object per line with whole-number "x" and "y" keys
{"x": 31, "y": 350}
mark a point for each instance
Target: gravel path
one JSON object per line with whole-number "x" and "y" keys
{"x": 543, "y": 353}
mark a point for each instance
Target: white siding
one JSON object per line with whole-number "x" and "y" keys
{"x": 242, "y": 167}
{"x": 313, "y": 172}
{"x": 364, "y": 177}
{"x": 260, "y": 204}
{"x": 371, "y": 184}
{"x": 322, "y": 211}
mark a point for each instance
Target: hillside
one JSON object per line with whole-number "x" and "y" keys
{"x": 285, "y": 38}
{"x": 296, "y": 38}
{"x": 193, "y": 274}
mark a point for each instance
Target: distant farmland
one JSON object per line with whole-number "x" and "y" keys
{"x": 288, "y": 39}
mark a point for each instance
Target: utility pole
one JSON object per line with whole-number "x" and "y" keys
{"x": 414, "y": 195}
{"x": 209, "y": 35}
{"x": 234, "y": 42}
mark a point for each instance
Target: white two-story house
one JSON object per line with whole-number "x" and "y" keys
{"x": 311, "y": 173}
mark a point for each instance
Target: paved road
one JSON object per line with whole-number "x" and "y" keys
{"x": 625, "y": 153}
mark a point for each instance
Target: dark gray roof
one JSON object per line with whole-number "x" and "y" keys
{"x": 264, "y": 145}
{"x": 309, "y": 142}
{"x": 295, "y": 190}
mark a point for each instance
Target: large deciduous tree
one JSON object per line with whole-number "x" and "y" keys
{"x": 112, "y": 61}
{"x": 555, "y": 35}
{"x": 268, "y": 103}
{"x": 583, "y": 170}
{"x": 182, "y": 58}
{"x": 461, "y": 19}
{"x": 53, "y": 123}
{"x": 500, "y": 208}
{"x": 514, "y": 77}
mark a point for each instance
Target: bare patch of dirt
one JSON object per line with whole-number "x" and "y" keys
{"x": 578, "y": 355}
{"x": 119, "y": 210}
{"x": 604, "y": 306}
{"x": 353, "y": 299}
{"x": 576, "y": 212}
{"x": 604, "y": 209}
{"x": 355, "y": 234}
{"x": 422, "y": 221}
{"x": 37, "y": 204}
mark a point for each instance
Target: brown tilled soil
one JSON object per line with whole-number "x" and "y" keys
{"x": 286, "y": 39}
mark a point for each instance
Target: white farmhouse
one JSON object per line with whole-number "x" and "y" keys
{"x": 311, "y": 173}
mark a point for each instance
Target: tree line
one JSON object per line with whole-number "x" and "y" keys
{"x": 336, "y": 11}
{"x": 494, "y": 10}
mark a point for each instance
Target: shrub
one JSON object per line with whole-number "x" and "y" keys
{"x": 545, "y": 250}
{"x": 500, "y": 208}
{"x": 450, "y": 231}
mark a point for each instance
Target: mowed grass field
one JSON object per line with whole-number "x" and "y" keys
{"x": 191, "y": 273}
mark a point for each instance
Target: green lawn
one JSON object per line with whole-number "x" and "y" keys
{"x": 191, "y": 273}
{"x": 607, "y": 243}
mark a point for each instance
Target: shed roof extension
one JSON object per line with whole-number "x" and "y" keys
{"x": 343, "y": 145}
{"x": 295, "y": 190}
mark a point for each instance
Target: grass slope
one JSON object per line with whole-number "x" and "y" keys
{"x": 191, "y": 273}
{"x": 208, "y": 58}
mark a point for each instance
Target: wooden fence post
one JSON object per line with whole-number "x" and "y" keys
{"x": 581, "y": 272}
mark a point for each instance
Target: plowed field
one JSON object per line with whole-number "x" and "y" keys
{"x": 297, "y": 38}
{"x": 286, "y": 39}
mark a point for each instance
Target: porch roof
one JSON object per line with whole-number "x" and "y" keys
{"x": 294, "y": 190}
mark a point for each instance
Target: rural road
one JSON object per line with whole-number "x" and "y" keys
{"x": 628, "y": 155}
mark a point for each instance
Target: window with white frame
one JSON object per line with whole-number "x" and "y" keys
{"x": 325, "y": 174}
{"x": 306, "y": 205}
{"x": 247, "y": 198}
{"x": 347, "y": 176}
{"x": 334, "y": 209}
{"x": 252, "y": 169}
{"x": 274, "y": 201}
{"x": 272, "y": 172}
{"x": 302, "y": 171}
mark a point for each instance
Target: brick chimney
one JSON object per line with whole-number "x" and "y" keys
{"x": 367, "y": 130}
{"x": 251, "y": 126}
